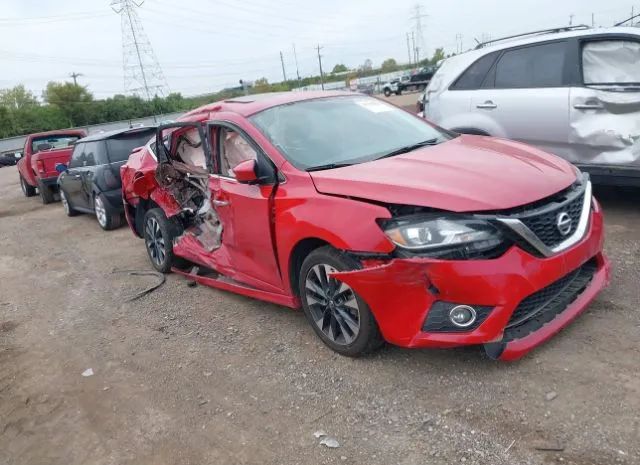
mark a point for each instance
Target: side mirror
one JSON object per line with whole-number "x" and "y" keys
{"x": 245, "y": 172}
{"x": 61, "y": 168}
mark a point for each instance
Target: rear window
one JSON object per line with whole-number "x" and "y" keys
{"x": 120, "y": 147}
{"x": 531, "y": 67}
{"x": 55, "y": 142}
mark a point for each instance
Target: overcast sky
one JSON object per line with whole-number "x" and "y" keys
{"x": 205, "y": 45}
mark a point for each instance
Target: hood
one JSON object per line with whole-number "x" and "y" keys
{"x": 466, "y": 174}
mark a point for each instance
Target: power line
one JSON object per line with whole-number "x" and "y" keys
{"x": 417, "y": 17}
{"x": 75, "y": 76}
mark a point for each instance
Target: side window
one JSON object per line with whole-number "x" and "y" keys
{"x": 233, "y": 149}
{"x": 611, "y": 62}
{"x": 76, "y": 156}
{"x": 473, "y": 77}
{"x": 91, "y": 153}
{"x": 530, "y": 67}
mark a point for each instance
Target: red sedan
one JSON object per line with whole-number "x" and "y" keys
{"x": 381, "y": 226}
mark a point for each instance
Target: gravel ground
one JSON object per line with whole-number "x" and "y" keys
{"x": 199, "y": 376}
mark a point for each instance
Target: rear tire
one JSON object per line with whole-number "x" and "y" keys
{"x": 339, "y": 316}
{"x": 46, "y": 193}
{"x": 68, "y": 209}
{"x": 159, "y": 233}
{"x": 107, "y": 217}
{"x": 27, "y": 189}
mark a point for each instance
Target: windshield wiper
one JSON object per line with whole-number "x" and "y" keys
{"x": 410, "y": 148}
{"x": 328, "y": 166}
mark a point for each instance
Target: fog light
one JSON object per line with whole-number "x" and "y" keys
{"x": 462, "y": 316}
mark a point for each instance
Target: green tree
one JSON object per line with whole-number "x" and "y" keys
{"x": 366, "y": 66}
{"x": 261, "y": 85}
{"x": 389, "y": 65}
{"x": 17, "y": 98}
{"x": 73, "y": 101}
{"x": 339, "y": 68}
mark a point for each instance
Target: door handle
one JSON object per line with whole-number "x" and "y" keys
{"x": 219, "y": 203}
{"x": 588, "y": 106}
{"x": 488, "y": 105}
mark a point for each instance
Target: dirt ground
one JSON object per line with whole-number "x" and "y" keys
{"x": 199, "y": 376}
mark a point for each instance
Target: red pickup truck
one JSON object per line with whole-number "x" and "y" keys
{"x": 42, "y": 152}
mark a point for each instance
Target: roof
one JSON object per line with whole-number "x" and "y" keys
{"x": 116, "y": 132}
{"x": 250, "y": 104}
{"x": 58, "y": 132}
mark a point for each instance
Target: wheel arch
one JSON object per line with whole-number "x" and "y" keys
{"x": 141, "y": 209}
{"x": 471, "y": 131}
{"x": 300, "y": 251}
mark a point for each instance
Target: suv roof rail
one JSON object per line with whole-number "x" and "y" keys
{"x": 627, "y": 20}
{"x": 533, "y": 33}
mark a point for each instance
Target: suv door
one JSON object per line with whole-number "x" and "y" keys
{"x": 605, "y": 105}
{"x": 525, "y": 96}
{"x": 245, "y": 210}
{"x": 93, "y": 156}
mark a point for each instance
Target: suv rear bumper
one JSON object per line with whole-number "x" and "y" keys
{"x": 49, "y": 182}
{"x": 402, "y": 292}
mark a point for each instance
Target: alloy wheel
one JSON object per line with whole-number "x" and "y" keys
{"x": 155, "y": 242}
{"x": 101, "y": 211}
{"x": 332, "y": 304}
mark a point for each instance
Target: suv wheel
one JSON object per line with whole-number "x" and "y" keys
{"x": 387, "y": 92}
{"x": 336, "y": 313}
{"x": 46, "y": 193}
{"x": 159, "y": 233}
{"x": 68, "y": 209}
{"x": 107, "y": 218}
{"x": 27, "y": 189}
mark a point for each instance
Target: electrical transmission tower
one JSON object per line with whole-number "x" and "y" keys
{"x": 142, "y": 73}
{"x": 419, "y": 36}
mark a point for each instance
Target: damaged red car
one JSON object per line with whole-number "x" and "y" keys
{"x": 381, "y": 226}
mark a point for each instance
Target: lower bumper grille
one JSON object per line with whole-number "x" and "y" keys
{"x": 543, "y": 306}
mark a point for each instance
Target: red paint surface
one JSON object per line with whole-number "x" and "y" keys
{"x": 264, "y": 224}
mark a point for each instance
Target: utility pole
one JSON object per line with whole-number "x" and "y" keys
{"x": 295, "y": 56}
{"x": 633, "y": 14}
{"x": 571, "y": 16}
{"x": 318, "y": 48}
{"x": 408, "y": 48}
{"x": 284, "y": 74}
{"x": 593, "y": 20}
{"x": 413, "y": 42}
{"x": 75, "y": 77}
{"x": 459, "y": 43}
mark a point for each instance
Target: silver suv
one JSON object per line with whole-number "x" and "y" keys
{"x": 574, "y": 92}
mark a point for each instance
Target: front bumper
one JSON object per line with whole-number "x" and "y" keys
{"x": 400, "y": 293}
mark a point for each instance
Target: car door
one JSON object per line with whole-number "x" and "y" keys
{"x": 71, "y": 180}
{"x": 605, "y": 104}
{"x": 525, "y": 96}
{"x": 94, "y": 155}
{"x": 245, "y": 210}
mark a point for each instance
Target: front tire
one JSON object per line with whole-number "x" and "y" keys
{"x": 159, "y": 233}
{"x": 27, "y": 189}
{"x": 387, "y": 92}
{"x": 108, "y": 219}
{"x": 339, "y": 316}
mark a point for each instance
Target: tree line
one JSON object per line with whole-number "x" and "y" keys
{"x": 65, "y": 104}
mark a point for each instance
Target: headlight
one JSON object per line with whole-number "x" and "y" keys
{"x": 439, "y": 233}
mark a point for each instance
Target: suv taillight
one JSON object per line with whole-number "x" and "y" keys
{"x": 40, "y": 165}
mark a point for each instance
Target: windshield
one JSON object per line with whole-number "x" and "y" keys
{"x": 54, "y": 142}
{"x": 342, "y": 130}
{"x": 119, "y": 148}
